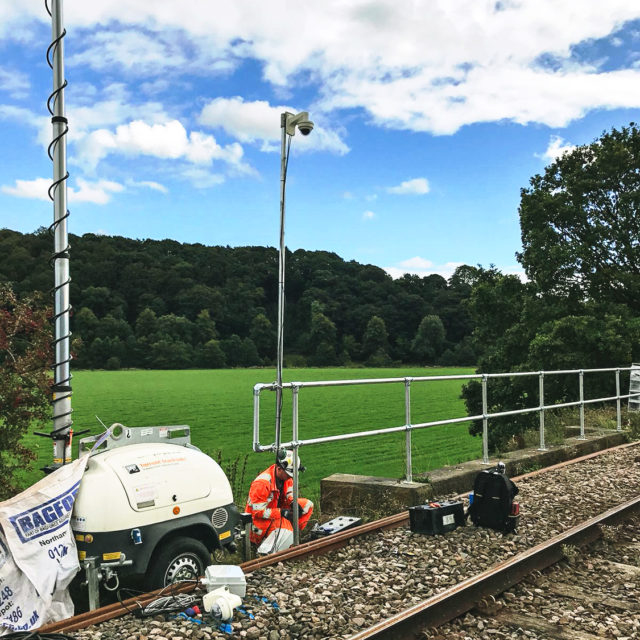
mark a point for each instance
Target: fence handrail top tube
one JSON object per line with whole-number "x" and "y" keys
{"x": 601, "y": 370}
{"x": 358, "y": 381}
{"x": 261, "y": 386}
{"x": 272, "y": 386}
{"x": 562, "y": 405}
{"x": 435, "y": 423}
{"x": 594, "y": 400}
{"x": 515, "y": 412}
{"x": 345, "y": 436}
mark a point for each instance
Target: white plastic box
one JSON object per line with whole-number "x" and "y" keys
{"x": 225, "y": 575}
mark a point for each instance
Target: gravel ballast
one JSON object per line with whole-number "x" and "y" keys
{"x": 380, "y": 574}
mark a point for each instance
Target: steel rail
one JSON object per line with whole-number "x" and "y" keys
{"x": 307, "y": 549}
{"x": 459, "y": 599}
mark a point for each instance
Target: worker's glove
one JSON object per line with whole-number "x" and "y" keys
{"x": 287, "y": 514}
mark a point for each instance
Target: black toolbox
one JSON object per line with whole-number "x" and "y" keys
{"x": 436, "y": 517}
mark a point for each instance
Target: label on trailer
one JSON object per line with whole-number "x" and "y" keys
{"x": 163, "y": 432}
{"x": 162, "y": 460}
{"x": 145, "y": 432}
{"x": 145, "y": 493}
{"x": 448, "y": 519}
{"x": 78, "y": 523}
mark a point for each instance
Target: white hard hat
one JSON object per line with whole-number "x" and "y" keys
{"x": 285, "y": 461}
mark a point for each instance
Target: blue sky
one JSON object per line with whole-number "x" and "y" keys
{"x": 430, "y": 116}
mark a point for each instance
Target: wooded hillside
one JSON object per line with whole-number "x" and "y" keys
{"x": 163, "y": 304}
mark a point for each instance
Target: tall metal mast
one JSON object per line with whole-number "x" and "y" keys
{"x": 61, "y": 388}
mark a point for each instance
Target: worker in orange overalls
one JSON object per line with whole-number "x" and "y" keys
{"x": 270, "y": 504}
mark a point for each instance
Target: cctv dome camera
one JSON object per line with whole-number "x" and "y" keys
{"x": 305, "y": 127}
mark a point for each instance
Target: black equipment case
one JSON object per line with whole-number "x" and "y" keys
{"x": 436, "y": 517}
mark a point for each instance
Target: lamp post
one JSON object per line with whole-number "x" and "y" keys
{"x": 288, "y": 124}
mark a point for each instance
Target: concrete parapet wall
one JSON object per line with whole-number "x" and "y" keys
{"x": 371, "y": 497}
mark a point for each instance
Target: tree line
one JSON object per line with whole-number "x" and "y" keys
{"x": 166, "y": 305}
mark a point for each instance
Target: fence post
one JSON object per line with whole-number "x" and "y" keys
{"x": 407, "y": 418}
{"x": 485, "y": 422}
{"x": 256, "y": 418}
{"x": 541, "y": 388}
{"x": 618, "y": 412}
{"x": 295, "y": 388}
{"x": 581, "y": 378}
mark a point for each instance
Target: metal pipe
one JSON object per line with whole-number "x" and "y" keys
{"x": 407, "y": 418}
{"x": 541, "y": 389}
{"x": 618, "y": 408}
{"x": 608, "y": 399}
{"x": 281, "y": 271}
{"x": 363, "y": 381}
{"x": 581, "y": 379}
{"x": 485, "y": 422}
{"x": 58, "y": 191}
{"x": 294, "y": 434}
{"x": 256, "y": 416}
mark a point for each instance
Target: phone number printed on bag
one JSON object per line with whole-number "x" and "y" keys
{"x": 59, "y": 551}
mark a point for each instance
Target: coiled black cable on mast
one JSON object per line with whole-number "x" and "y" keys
{"x": 61, "y": 388}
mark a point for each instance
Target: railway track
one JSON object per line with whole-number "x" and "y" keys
{"x": 382, "y": 581}
{"x": 593, "y": 592}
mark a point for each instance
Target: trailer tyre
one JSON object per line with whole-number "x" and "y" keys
{"x": 181, "y": 559}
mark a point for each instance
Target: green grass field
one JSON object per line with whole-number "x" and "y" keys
{"x": 218, "y": 405}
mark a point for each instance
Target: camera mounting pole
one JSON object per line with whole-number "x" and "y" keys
{"x": 288, "y": 124}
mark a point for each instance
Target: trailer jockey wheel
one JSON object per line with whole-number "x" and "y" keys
{"x": 181, "y": 559}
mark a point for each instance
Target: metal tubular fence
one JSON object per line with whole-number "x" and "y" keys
{"x": 408, "y": 426}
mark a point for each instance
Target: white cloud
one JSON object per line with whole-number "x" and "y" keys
{"x": 483, "y": 62}
{"x": 168, "y": 140}
{"x": 556, "y": 148}
{"x": 416, "y": 186}
{"x": 132, "y": 51}
{"x": 423, "y": 267}
{"x": 25, "y": 116}
{"x": 148, "y": 184}
{"x": 202, "y": 178}
{"x": 30, "y": 189}
{"x": 368, "y": 215}
{"x": 258, "y": 121}
{"x": 99, "y": 192}
{"x": 15, "y": 83}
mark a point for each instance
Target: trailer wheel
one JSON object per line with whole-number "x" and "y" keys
{"x": 181, "y": 559}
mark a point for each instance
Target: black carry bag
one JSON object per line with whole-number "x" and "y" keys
{"x": 493, "y": 505}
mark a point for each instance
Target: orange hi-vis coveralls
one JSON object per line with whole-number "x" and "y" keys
{"x": 266, "y": 503}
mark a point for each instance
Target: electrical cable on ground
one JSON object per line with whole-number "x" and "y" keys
{"x": 34, "y": 635}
